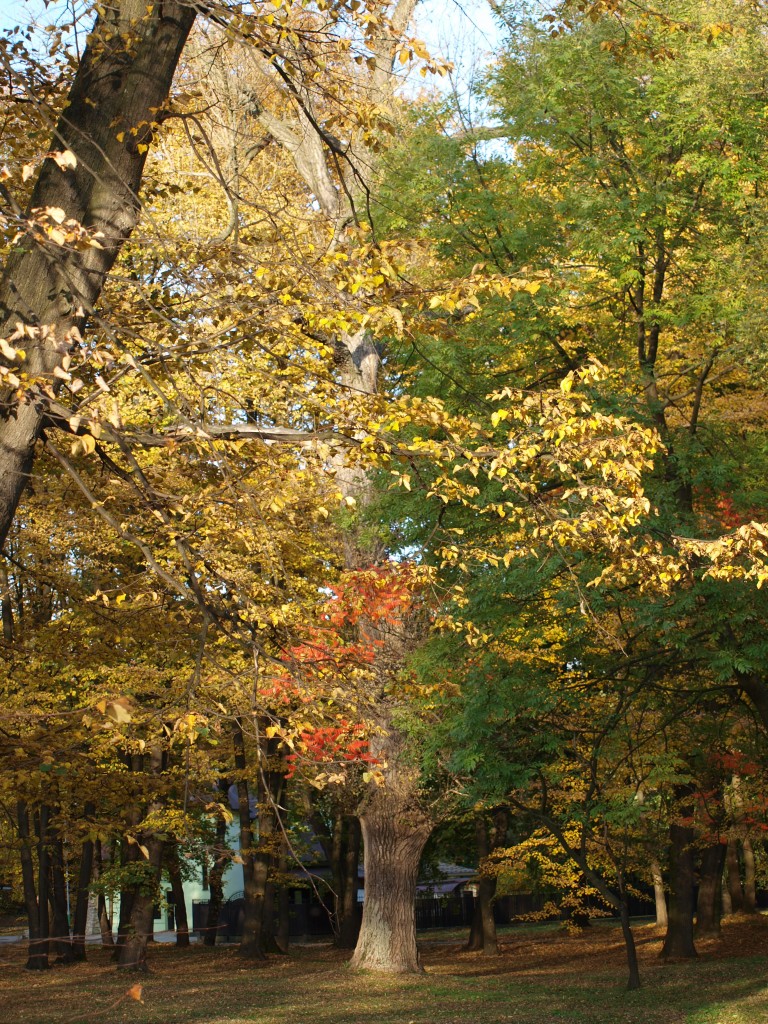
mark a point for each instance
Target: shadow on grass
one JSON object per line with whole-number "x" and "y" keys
{"x": 540, "y": 978}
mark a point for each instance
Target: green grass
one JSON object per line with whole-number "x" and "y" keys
{"x": 543, "y": 977}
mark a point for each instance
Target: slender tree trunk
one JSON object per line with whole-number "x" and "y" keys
{"x": 253, "y": 884}
{"x": 633, "y": 981}
{"x": 482, "y": 934}
{"x": 215, "y": 882}
{"x": 709, "y": 902}
{"x": 80, "y": 921}
{"x": 283, "y": 931}
{"x": 122, "y": 81}
{"x": 60, "y": 933}
{"x": 725, "y": 898}
{"x": 750, "y": 890}
{"x": 44, "y": 875}
{"x": 733, "y": 874}
{"x": 349, "y": 909}
{"x": 659, "y": 895}
{"x": 105, "y": 921}
{"x": 37, "y": 956}
{"x": 679, "y": 938}
{"x": 179, "y": 903}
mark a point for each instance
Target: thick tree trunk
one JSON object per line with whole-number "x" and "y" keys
{"x": 179, "y": 903}
{"x": 709, "y": 901}
{"x": 679, "y": 938}
{"x": 394, "y": 833}
{"x": 122, "y": 81}
{"x": 733, "y": 875}
{"x": 725, "y": 899}
{"x": 659, "y": 895}
{"x": 80, "y": 920}
{"x": 215, "y": 882}
{"x": 133, "y": 953}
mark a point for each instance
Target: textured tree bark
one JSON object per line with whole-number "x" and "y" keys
{"x": 133, "y": 953}
{"x": 709, "y": 901}
{"x": 659, "y": 895}
{"x": 123, "y": 79}
{"x": 394, "y": 830}
{"x": 725, "y": 898}
{"x": 393, "y": 838}
{"x": 679, "y": 938}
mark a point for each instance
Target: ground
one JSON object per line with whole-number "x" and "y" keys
{"x": 543, "y": 976}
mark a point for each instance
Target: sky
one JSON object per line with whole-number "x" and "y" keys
{"x": 459, "y": 30}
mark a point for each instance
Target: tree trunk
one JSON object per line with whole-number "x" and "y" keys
{"x": 633, "y": 981}
{"x": 37, "y": 955}
{"x": 679, "y": 938}
{"x": 750, "y": 893}
{"x": 43, "y": 875}
{"x": 105, "y": 921}
{"x": 348, "y": 909}
{"x": 80, "y": 920}
{"x": 60, "y": 933}
{"x": 253, "y": 884}
{"x": 179, "y": 903}
{"x": 394, "y": 833}
{"x": 709, "y": 903}
{"x": 482, "y": 935}
{"x": 733, "y": 873}
{"x": 133, "y": 953}
{"x": 659, "y": 895}
{"x": 725, "y": 898}
{"x": 215, "y": 883}
{"x": 123, "y": 79}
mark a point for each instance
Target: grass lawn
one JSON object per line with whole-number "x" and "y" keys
{"x": 543, "y": 976}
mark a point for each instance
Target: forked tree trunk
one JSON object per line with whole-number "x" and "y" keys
{"x": 659, "y": 895}
{"x": 679, "y": 938}
{"x": 122, "y": 81}
{"x": 133, "y": 953}
{"x": 709, "y": 901}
